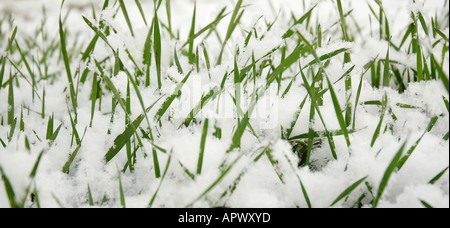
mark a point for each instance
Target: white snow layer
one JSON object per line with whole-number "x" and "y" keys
{"x": 258, "y": 184}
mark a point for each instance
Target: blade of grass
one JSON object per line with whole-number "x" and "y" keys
{"x": 291, "y": 59}
{"x": 338, "y": 111}
{"x": 10, "y": 102}
{"x": 141, "y": 11}
{"x": 170, "y": 99}
{"x": 66, "y": 167}
{"x": 2, "y": 70}
{"x": 27, "y": 66}
{"x": 390, "y": 169}
{"x": 67, "y": 65}
{"x": 387, "y": 73}
{"x": 348, "y": 190}
{"x": 94, "y": 96}
{"x": 122, "y": 194}
{"x": 123, "y": 138}
{"x": 408, "y": 154}
{"x": 177, "y": 61}
{"x": 216, "y": 182}
{"x": 358, "y": 93}
{"x": 202, "y": 147}
{"x": 32, "y": 175}
{"x": 191, "y": 54}
{"x": 425, "y": 204}
{"x": 378, "y": 129}
{"x": 169, "y": 15}
{"x": 90, "y": 199}
{"x": 438, "y": 176}
{"x": 162, "y": 180}
{"x": 127, "y": 19}
{"x": 233, "y": 22}
{"x": 209, "y": 27}
{"x": 9, "y": 190}
{"x": 441, "y": 73}
{"x": 315, "y": 106}
{"x": 157, "y": 47}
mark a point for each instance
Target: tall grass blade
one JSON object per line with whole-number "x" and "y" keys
{"x": 67, "y": 66}
{"x": 125, "y": 14}
{"x": 141, "y": 11}
{"x": 438, "y": 176}
{"x": 202, "y": 147}
{"x": 348, "y": 190}
{"x": 191, "y": 34}
{"x": 10, "y": 102}
{"x": 122, "y": 194}
{"x": 338, "y": 111}
{"x": 390, "y": 169}
{"x": 170, "y": 99}
{"x": 378, "y": 129}
{"x": 162, "y": 180}
{"x": 157, "y": 47}
{"x": 408, "y": 154}
{"x": 217, "y": 181}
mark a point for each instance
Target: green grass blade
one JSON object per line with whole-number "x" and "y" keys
{"x": 209, "y": 27}
{"x": 202, "y": 147}
{"x": 191, "y": 34}
{"x": 169, "y": 15}
{"x": 9, "y": 190}
{"x": 170, "y": 99}
{"x": 98, "y": 32}
{"x": 408, "y": 154}
{"x": 27, "y": 66}
{"x": 230, "y": 29}
{"x": 390, "y": 169}
{"x": 378, "y": 129}
{"x": 66, "y": 167}
{"x": 291, "y": 59}
{"x": 315, "y": 106}
{"x": 141, "y": 11}
{"x": 162, "y": 180}
{"x": 177, "y": 61}
{"x": 348, "y": 190}
{"x": 94, "y": 96}
{"x": 203, "y": 102}
{"x": 90, "y": 199}
{"x": 217, "y": 181}
{"x": 338, "y": 111}
{"x": 11, "y": 39}
{"x": 438, "y": 176}
{"x": 122, "y": 194}
{"x": 67, "y": 66}
{"x": 387, "y": 72}
{"x": 326, "y": 56}
{"x": 274, "y": 164}
{"x": 123, "y": 138}
{"x": 2, "y": 70}
{"x": 36, "y": 165}
{"x": 157, "y": 47}
{"x": 444, "y": 78}
{"x": 10, "y": 101}
{"x": 425, "y": 204}
{"x": 125, "y": 14}
{"x": 90, "y": 48}
{"x": 236, "y": 140}
{"x": 358, "y": 93}
{"x": 305, "y": 194}
{"x": 49, "y": 127}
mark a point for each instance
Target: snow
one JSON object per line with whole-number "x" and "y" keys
{"x": 258, "y": 184}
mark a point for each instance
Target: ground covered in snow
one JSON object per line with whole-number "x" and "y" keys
{"x": 210, "y": 103}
